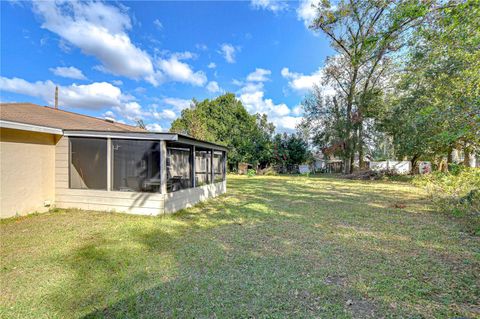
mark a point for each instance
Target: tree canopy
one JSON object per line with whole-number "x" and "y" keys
{"x": 404, "y": 73}
{"x": 224, "y": 120}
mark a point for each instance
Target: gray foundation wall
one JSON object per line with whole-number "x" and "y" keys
{"x": 191, "y": 196}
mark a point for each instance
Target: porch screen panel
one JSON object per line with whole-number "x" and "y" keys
{"x": 136, "y": 165}
{"x": 218, "y": 168}
{"x": 88, "y": 163}
{"x": 202, "y": 167}
{"x": 178, "y": 168}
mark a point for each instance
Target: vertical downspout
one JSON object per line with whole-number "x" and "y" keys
{"x": 224, "y": 177}
{"x": 109, "y": 164}
{"x": 212, "y": 173}
{"x": 193, "y": 170}
{"x": 163, "y": 167}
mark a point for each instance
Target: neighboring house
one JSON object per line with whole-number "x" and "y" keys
{"x": 54, "y": 158}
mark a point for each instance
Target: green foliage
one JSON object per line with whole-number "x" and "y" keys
{"x": 457, "y": 192}
{"x": 289, "y": 150}
{"x": 251, "y": 172}
{"x": 332, "y": 116}
{"x": 269, "y": 171}
{"x": 455, "y": 168}
{"x": 435, "y": 105}
{"x": 225, "y": 120}
{"x": 366, "y": 36}
{"x": 413, "y": 74}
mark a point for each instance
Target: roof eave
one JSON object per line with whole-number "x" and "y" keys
{"x": 30, "y": 127}
{"x": 161, "y": 136}
{"x": 122, "y": 135}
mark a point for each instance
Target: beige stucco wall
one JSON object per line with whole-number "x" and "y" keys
{"x": 27, "y": 171}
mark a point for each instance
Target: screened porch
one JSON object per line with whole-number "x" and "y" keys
{"x": 145, "y": 163}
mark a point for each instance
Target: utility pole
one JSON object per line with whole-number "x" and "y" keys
{"x": 56, "y": 98}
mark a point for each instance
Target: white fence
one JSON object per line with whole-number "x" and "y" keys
{"x": 399, "y": 167}
{"x": 304, "y": 169}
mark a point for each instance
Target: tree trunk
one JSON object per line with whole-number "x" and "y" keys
{"x": 350, "y": 148}
{"x": 414, "y": 162}
{"x": 360, "y": 146}
{"x": 443, "y": 165}
{"x": 466, "y": 157}
{"x": 352, "y": 161}
{"x": 346, "y": 165}
{"x": 450, "y": 156}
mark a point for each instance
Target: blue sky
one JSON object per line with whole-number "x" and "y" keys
{"x": 147, "y": 60}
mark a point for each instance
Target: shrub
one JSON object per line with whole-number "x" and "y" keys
{"x": 270, "y": 171}
{"x": 457, "y": 193}
{"x": 251, "y": 172}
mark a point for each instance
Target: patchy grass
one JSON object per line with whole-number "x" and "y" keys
{"x": 273, "y": 246}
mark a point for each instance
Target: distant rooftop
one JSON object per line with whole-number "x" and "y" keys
{"x": 33, "y": 114}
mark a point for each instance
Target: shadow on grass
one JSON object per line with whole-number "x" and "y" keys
{"x": 281, "y": 247}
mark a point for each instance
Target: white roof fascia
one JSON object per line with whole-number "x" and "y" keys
{"x": 30, "y": 127}
{"x": 123, "y": 135}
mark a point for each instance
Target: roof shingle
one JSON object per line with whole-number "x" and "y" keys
{"x": 33, "y": 114}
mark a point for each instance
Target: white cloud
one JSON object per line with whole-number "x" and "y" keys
{"x": 131, "y": 111}
{"x": 302, "y": 83}
{"x": 96, "y": 95}
{"x": 237, "y": 82}
{"x": 252, "y": 96}
{"x": 109, "y": 114}
{"x": 99, "y": 30}
{"x": 259, "y": 75}
{"x": 278, "y": 114}
{"x": 177, "y": 103}
{"x": 172, "y": 69}
{"x": 201, "y": 46}
{"x": 187, "y": 55}
{"x": 63, "y": 45}
{"x": 272, "y": 5}
{"x": 213, "y": 87}
{"x": 140, "y": 90}
{"x": 228, "y": 51}
{"x": 165, "y": 114}
{"x": 306, "y": 11}
{"x": 251, "y": 87}
{"x": 117, "y": 82}
{"x": 297, "y": 110}
{"x": 68, "y": 72}
{"x": 287, "y": 123}
{"x": 168, "y": 114}
{"x": 158, "y": 24}
{"x": 154, "y": 127}
{"x": 211, "y": 65}
{"x": 255, "y": 103}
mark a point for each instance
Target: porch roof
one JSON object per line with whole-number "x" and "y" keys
{"x": 161, "y": 136}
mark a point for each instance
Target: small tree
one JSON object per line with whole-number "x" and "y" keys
{"x": 289, "y": 150}
{"x": 225, "y": 120}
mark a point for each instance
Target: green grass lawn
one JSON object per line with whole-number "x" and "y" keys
{"x": 276, "y": 247}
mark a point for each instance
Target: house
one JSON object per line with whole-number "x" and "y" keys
{"x": 54, "y": 158}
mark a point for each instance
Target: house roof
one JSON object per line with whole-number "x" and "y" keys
{"x": 55, "y": 121}
{"x": 33, "y": 114}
